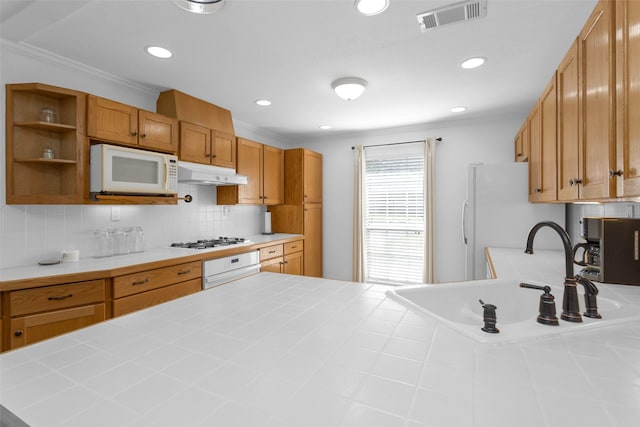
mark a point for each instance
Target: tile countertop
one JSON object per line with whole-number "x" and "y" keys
{"x": 89, "y": 264}
{"x": 279, "y": 350}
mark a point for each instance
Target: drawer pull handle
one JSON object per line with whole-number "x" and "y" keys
{"x": 293, "y": 247}
{"x": 272, "y": 252}
{"x": 60, "y": 297}
{"x": 183, "y": 272}
{"x": 140, "y": 282}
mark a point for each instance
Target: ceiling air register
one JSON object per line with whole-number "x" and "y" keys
{"x": 458, "y": 12}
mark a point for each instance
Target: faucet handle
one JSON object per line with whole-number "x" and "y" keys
{"x": 547, "y": 308}
{"x": 489, "y": 316}
{"x": 590, "y": 300}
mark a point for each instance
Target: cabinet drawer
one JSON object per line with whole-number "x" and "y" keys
{"x": 37, "y": 327}
{"x": 56, "y": 297}
{"x": 292, "y": 247}
{"x": 152, "y": 279}
{"x": 271, "y": 252}
{"x": 155, "y": 296}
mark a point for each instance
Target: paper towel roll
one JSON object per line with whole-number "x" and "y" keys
{"x": 267, "y": 222}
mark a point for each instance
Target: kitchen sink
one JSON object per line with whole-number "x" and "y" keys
{"x": 457, "y": 306}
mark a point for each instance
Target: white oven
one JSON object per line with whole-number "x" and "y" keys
{"x": 121, "y": 170}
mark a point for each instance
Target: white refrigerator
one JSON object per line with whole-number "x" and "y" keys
{"x": 497, "y": 213}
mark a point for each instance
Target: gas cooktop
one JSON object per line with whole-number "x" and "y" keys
{"x": 210, "y": 243}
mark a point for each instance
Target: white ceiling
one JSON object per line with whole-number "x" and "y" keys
{"x": 290, "y": 51}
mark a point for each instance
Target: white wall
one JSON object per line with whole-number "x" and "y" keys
{"x": 464, "y": 142}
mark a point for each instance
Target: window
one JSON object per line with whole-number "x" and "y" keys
{"x": 394, "y": 214}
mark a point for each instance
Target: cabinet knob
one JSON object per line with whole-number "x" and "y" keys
{"x": 613, "y": 173}
{"x": 144, "y": 135}
{"x": 18, "y": 333}
{"x": 213, "y": 156}
{"x": 134, "y": 133}
{"x": 538, "y": 190}
{"x": 577, "y": 181}
{"x": 572, "y": 183}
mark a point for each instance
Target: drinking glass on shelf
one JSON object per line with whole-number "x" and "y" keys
{"x": 48, "y": 115}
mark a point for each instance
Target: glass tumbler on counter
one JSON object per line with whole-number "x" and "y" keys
{"x": 120, "y": 241}
{"x": 136, "y": 239}
{"x": 104, "y": 243}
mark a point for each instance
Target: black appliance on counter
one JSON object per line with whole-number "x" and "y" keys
{"x": 611, "y": 253}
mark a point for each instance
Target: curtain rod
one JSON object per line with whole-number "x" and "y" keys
{"x": 397, "y": 143}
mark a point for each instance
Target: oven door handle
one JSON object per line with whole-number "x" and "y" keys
{"x": 229, "y": 276}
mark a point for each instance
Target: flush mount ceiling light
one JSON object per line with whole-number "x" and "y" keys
{"x": 200, "y": 6}
{"x": 325, "y": 127}
{"x": 158, "y": 52}
{"x": 473, "y": 62}
{"x": 349, "y": 88}
{"x": 371, "y": 7}
{"x": 458, "y": 109}
{"x": 263, "y": 102}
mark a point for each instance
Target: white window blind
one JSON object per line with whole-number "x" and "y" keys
{"x": 395, "y": 214}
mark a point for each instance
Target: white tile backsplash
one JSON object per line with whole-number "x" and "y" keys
{"x": 31, "y": 233}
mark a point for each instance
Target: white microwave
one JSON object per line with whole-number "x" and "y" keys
{"x": 121, "y": 170}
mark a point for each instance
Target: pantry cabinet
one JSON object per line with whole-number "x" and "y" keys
{"x": 627, "y": 170}
{"x": 45, "y": 134}
{"x": 302, "y": 211}
{"x": 199, "y": 144}
{"x": 40, "y": 313}
{"x": 112, "y": 121}
{"x": 263, "y": 165}
{"x": 542, "y": 140}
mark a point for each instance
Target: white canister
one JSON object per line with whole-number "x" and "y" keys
{"x": 72, "y": 255}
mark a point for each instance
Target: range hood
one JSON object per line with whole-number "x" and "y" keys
{"x": 196, "y": 173}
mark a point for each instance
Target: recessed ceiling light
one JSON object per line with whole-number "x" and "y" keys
{"x": 473, "y": 62}
{"x": 325, "y": 127}
{"x": 371, "y": 7}
{"x": 158, "y": 52}
{"x": 263, "y": 102}
{"x": 458, "y": 109}
{"x": 200, "y": 6}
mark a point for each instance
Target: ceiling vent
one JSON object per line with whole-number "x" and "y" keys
{"x": 458, "y": 12}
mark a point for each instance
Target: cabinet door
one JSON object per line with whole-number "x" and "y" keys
{"x": 157, "y": 131}
{"x": 223, "y": 151}
{"x": 597, "y": 142}
{"x": 30, "y": 329}
{"x": 250, "y": 164}
{"x": 542, "y": 128}
{"x": 568, "y": 125}
{"x": 273, "y": 265}
{"x": 273, "y": 175}
{"x": 111, "y": 121}
{"x": 522, "y": 144}
{"x": 312, "y": 177}
{"x": 195, "y": 143}
{"x": 313, "y": 240}
{"x": 627, "y": 173}
{"x": 293, "y": 263}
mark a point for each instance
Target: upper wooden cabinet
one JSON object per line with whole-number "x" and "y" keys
{"x": 303, "y": 176}
{"x": 521, "y": 143}
{"x": 627, "y": 170}
{"x": 199, "y": 144}
{"x": 596, "y": 104}
{"x": 542, "y": 144}
{"x": 568, "y": 125}
{"x": 45, "y": 134}
{"x": 264, "y": 167}
{"x": 115, "y": 122}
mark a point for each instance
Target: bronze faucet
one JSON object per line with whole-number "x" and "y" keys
{"x": 570, "y": 306}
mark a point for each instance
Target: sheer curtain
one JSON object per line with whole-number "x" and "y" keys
{"x": 387, "y": 231}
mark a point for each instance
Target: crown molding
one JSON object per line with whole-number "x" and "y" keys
{"x": 28, "y": 50}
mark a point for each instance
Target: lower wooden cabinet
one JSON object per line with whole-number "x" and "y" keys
{"x": 144, "y": 289}
{"x": 287, "y": 258}
{"x": 40, "y": 313}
